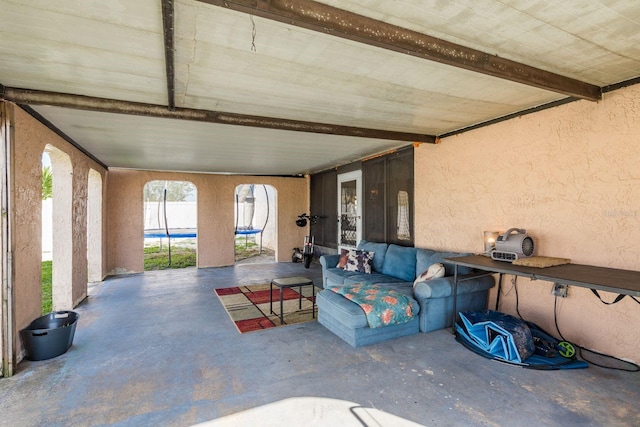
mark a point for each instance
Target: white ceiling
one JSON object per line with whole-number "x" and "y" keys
{"x": 227, "y": 61}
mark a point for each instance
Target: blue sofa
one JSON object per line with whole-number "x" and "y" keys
{"x": 396, "y": 267}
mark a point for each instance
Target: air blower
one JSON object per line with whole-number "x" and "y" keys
{"x": 512, "y": 245}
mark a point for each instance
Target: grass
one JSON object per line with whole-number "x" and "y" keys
{"x": 246, "y": 249}
{"x": 47, "y": 299}
{"x": 157, "y": 258}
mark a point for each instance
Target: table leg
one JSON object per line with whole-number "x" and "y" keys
{"x": 281, "y": 309}
{"x": 499, "y": 290}
{"x": 271, "y": 298}
{"x": 454, "y": 316}
{"x": 300, "y": 298}
{"x": 313, "y": 301}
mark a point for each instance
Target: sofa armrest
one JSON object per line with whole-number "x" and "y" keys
{"x": 443, "y": 287}
{"x": 328, "y": 261}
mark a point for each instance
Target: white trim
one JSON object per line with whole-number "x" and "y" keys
{"x": 7, "y": 320}
{"x": 94, "y": 226}
{"x": 347, "y": 177}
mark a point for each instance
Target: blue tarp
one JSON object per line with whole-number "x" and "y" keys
{"x": 508, "y": 339}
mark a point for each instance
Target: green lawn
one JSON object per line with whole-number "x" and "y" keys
{"x": 157, "y": 258}
{"x": 246, "y": 249}
{"x": 47, "y": 301}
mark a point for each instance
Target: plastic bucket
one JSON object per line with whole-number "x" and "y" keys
{"x": 50, "y": 335}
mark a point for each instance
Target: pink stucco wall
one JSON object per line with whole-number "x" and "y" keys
{"x": 570, "y": 175}
{"x": 30, "y": 139}
{"x": 215, "y": 243}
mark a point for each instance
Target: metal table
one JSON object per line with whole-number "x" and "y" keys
{"x": 625, "y": 282}
{"x": 292, "y": 282}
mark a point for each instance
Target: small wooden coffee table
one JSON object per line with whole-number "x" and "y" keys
{"x": 292, "y": 282}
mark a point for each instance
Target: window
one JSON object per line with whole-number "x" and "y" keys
{"x": 388, "y": 198}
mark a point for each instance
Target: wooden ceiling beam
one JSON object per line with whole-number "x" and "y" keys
{"x": 330, "y": 20}
{"x": 168, "y": 27}
{"x": 81, "y": 102}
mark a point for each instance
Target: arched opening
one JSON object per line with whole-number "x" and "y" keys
{"x": 61, "y": 234}
{"x": 170, "y": 224}
{"x": 94, "y": 226}
{"x": 47, "y": 232}
{"x": 255, "y": 223}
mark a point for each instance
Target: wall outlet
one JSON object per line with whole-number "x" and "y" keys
{"x": 559, "y": 290}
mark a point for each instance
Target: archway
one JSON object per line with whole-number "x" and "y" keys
{"x": 255, "y": 223}
{"x": 170, "y": 224}
{"x": 47, "y": 232}
{"x": 62, "y": 248}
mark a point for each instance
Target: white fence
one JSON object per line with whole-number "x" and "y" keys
{"x": 179, "y": 215}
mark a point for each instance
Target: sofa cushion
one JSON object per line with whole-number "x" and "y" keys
{"x": 359, "y": 261}
{"x": 379, "y": 250}
{"x": 347, "y": 313}
{"x": 427, "y": 257}
{"x": 406, "y": 289}
{"x": 371, "y": 279}
{"x": 443, "y": 287}
{"x": 336, "y": 276}
{"x": 382, "y": 305}
{"x": 403, "y": 287}
{"x": 400, "y": 262}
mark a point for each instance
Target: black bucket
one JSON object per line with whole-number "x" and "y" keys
{"x": 50, "y": 335}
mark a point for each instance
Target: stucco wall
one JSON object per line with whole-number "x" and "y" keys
{"x": 569, "y": 175}
{"x": 30, "y": 139}
{"x": 216, "y": 221}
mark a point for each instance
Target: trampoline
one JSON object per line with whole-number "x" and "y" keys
{"x": 176, "y": 233}
{"x": 250, "y": 230}
{"x": 169, "y": 233}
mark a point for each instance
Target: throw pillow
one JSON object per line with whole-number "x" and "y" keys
{"x": 359, "y": 261}
{"x": 344, "y": 255}
{"x": 433, "y": 272}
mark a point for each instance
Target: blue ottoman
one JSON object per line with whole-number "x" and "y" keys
{"x": 348, "y": 321}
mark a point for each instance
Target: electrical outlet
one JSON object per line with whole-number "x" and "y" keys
{"x": 559, "y": 290}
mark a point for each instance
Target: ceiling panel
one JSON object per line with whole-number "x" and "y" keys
{"x": 576, "y": 38}
{"x": 177, "y": 145}
{"x": 115, "y": 52}
{"x": 228, "y": 61}
{"x": 338, "y": 81}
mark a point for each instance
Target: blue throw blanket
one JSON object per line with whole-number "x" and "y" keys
{"x": 381, "y": 305}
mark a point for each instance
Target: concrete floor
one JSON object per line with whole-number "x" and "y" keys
{"x": 158, "y": 349}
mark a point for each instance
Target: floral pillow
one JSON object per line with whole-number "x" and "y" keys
{"x": 359, "y": 261}
{"x": 433, "y": 272}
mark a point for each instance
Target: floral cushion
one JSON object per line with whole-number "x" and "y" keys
{"x": 359, "y": 261}
{"x": 381, "y": 305}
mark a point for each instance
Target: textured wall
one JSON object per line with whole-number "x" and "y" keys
{"x": 30, "y": 139}
{"x": 569, "y": 175}
{"x": 216, "y": 220}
